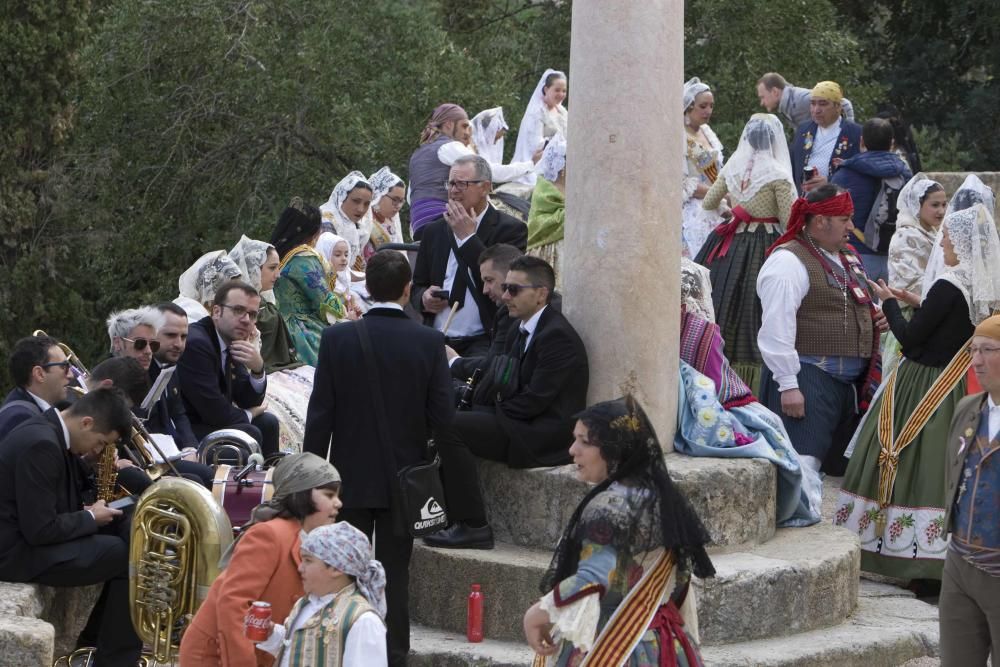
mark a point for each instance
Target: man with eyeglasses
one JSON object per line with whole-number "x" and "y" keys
{"x": 970, "y": 586}
{"x": 221, "y": 371}
{"x": 446, "y": 273}
{"x": 41, "y": 374}
{"x": 523, "y": 414}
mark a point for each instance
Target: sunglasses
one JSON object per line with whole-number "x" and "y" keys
{"x": 240, "y": 311}
{"x": 514, "y": 289}
{"x": 139, "y": 344}
{"x": 64, "y": 365}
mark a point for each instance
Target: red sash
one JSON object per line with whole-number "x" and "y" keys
{"x": 727, "y": 231}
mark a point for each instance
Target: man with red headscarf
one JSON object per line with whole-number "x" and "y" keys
{"x": 819, "y": 330}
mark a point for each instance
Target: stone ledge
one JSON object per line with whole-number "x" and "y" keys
{"x": 64, "y": 611}
{"x": 26, "y": 641}
{"x": 803, "y": 579}
{"x": 734, "y": 497}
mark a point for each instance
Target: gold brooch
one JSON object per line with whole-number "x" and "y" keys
{"x": 626, "y": 423}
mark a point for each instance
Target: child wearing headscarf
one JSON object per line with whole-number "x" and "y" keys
{"x": 339, "y": 622}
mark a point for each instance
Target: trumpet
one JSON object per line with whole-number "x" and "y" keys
{"x": 80, "y": 371}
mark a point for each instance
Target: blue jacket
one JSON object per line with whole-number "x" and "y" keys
{"x": 862, "y": 176}
{"x": 848, "y": 145}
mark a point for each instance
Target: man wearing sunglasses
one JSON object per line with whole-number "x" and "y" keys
{"x": 448, "y": 259}
{"x": 222, "y": 373}
{"x": 41, "y": 374}
{"x": 523, "y": 416}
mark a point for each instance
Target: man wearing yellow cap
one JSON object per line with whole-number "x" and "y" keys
{"x": 825, "y": 140}
{"x": 970, "y": 588}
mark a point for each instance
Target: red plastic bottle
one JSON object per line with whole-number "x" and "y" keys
{"x": 474, "y": 626}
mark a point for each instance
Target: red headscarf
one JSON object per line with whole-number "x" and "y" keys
{"x": 840, "y": 204}
{"x": 442, "y": 114}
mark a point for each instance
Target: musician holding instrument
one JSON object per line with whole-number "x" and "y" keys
{"x": 263, "y": 563}
{"x": 48, "y": 536}
{"x": 41, "y": 372}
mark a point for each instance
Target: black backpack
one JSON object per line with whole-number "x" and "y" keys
{"x": 881, "y": 222}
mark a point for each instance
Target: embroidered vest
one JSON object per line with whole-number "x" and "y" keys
{"x": 976, "y": 515}
{"x": 320, "y": 641}
{"x": 428, "y": 173}
{"x": 820, "y": 325}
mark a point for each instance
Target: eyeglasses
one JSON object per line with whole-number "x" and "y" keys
{"x": 139, "y": 344}
{"x": 982, "y": 350}
{"x": 514, "y": 289}
{"x": 64, "y": 365}
{"x": 240, "y": 311}
{"x": 459, "y": 185}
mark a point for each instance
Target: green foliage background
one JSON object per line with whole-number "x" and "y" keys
{"x": 138, "y": 134}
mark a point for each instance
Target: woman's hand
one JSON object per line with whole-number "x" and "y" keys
{"x": 881, "y": 290}
{"x": 536, "y": 630}
{"x": 906, "y": 296}
{"x": 700, "y": 191}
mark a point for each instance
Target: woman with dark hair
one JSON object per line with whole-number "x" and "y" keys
{"x": 544, "y": 118}
{"x": 262, "y": 564}
{"x": 632, "y": 539}
{"x": 306, "y": 299}
{"x": 348, "y": 214}
{"x": 388, "y": 197}
{"x": 758, "y": 180}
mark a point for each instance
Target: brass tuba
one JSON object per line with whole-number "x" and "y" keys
{"x": 179, "y": 533}
{"x": 227, "y": 446}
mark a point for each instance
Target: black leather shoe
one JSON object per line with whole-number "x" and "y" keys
{"x": 461, "y": 536}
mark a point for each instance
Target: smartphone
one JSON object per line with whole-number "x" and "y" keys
{"x": 808, "y": 173}
{"x": 122, "y": 503}
{"x": 441, "y": 294}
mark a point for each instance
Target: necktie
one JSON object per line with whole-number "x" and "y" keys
{"x": 522, "y": 343}
{"x": 228, "y": 373}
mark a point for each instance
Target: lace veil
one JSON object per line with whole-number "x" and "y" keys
{"x": 908, "y": 202}
{"x": 485, "y": 126}
{"x": 250, "y": 255}
{"x": 553, "y": 158}
{"x": 761, "y": 157}
{"x": 977, "y": 274}
{"x": 356, "y": 235}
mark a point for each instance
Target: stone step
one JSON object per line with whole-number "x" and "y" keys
{"x": 888, "y": 629}
{"x": 735, "y": 498}
{"x": 802, "y": 579}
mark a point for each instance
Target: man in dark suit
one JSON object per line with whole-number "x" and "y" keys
{"x": 47, "y": 536}
{"x": 221, "y": 372}
{"x": 825, "y": 141}
{"x": 494, "y": 262}
{"x": 416, "y": 391}
{"x": 448, "y": 259}
{"x": 41, "y": 374}
{"x": 528, "y": 421}
{"x": 168, "y": 414}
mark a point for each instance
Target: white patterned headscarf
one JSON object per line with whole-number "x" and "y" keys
{"x": 325, "y": 246}
{"x": 761, "y": 158}
{"x": 977, "y": 275}
{"x": 197, "y": 285}
{"x": 382, "y": 181}
{"x": 485, "y": 126}
{"x": 345, "y": 548}
{"x": 908, "y": 202}
{"x": 335, "y": 220}
{"x": 250, "y": 255}
{"x": 693, "y": 87}
{"x": 553, "y": 158}
{"x": 529, "y": 134}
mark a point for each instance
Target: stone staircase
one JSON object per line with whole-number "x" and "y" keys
{"x": 40, "y": 623}
{"x": 788, "y": 597}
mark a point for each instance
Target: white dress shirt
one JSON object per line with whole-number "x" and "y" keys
{"x": 530, "y": 326}
{"x": 386, "y": 304}
{"x": 823, "y": 144}
{"x": 994, "y": 423}
{"x": 364, "y": 646}
{"x": 258, "y": 383}
{"x": 466, "y": 321}
{"x": 502, "y": 173}
{"x": 44, "y": 405}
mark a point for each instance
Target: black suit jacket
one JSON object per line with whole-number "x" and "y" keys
{"x": 417, "y": 395}
{"x": 436, "y": 245}
{"x": 552, "y": 387}
{"x": 463, "y": 367}
{"x": 19, "y": 406}
{"x": 169, "y": 408}
{"x": 203, "y": 384}
{"x": 41, "y": 507}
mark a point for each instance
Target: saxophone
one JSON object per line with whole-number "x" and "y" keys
{"x": 179, "y": 533}
{"x": 107, "y": 475}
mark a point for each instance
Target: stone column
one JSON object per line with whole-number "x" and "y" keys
{"x": 621, "y": 255}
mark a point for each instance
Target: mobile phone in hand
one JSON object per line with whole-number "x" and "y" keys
{"x": 441, "y": 294}
{"x": 122, "y": 503}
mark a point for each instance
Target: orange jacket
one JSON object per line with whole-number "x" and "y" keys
{"x": 264, "y": 567}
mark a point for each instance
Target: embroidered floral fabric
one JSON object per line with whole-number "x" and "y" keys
{"x": 306, "y": 301}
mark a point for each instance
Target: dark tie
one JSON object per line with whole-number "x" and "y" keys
{"x": 229, "y": 372}
{"x": 522, "y": 343}
{"x": 461, "y": 283}
{"x": 164, "y": 409}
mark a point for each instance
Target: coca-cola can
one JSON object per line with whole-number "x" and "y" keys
{"x": 257, "y": 624}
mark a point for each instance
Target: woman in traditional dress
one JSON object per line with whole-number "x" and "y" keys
{"x": 262, "y": 564}
{"x": 289, "y": 381}
{"x": 893, "y": 492}
{"x": 633, "y": 541}
{"x": 305, "y": 298}
{"x": 758, "y": 180}
{"x": 198, "y": 284}
{"x": 348, "y": 214}
{"x": 547, "y": 215}
{"x": 702, "y": 162}
{"x": 488, "y": 130}
{"x": 337, "y": 253}
{"x": 544, "y": 117}
{"x": 388, "y": 197}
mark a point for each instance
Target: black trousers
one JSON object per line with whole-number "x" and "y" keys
{"x": 103, "y": 558}
{"x": 470, "y": 346}
{"x": 393, "y": 551}
{"x": 470, "y": 434}
{"x": 263, "y": 428}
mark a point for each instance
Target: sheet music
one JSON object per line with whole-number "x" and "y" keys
{"x": 158, "y": 387}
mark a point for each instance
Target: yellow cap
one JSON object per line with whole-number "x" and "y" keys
{"x": 990, "y": 327}
{"x": 828, "y": 90}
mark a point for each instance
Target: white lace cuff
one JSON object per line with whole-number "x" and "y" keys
{"x": 575, "y": 622}
{"x": 273, "y": 643}
{"x": 690, "y": 185}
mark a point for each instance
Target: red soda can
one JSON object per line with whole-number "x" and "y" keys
{"x": 257, "y": 624}
{"x": 474, "y": 624}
